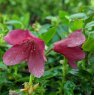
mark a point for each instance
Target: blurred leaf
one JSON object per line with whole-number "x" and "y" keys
{"x": 48, "y": 35}
{"x": 13, "y": 22}
{"x": 76, "y": 24}
{"x": 63, "y": 14}
{"x": 3, "y": 79}
{"x": 52, "y": 72}
{"x": 73, "y": 71}
{"x": 25, "y": 19}
{"x": 3, "y": 66}
{"x": 54, "y": 20}
{"x": 62, "y": 31}
{"x": 16, "y": 23}
{"x": 64, "y": 17}
{"x": 78, "y": 16}
{"x": 69, "y": 86}
{"x": 90, "y": 24}
{"x": 44, "y": 28}
{"x": 89, "y": 44}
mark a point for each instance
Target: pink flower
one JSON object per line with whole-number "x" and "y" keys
{"x": 26, "y": 47}
{"x": 71, "y": 47}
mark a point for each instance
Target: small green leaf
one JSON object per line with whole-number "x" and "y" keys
{"x": 44, "y": 28}
{"x": 48, "y": 35}
{"x": 62, "y": 14}
{"x": 76, "y": 25}
{"x": 3, "y": 66}
{"x": 25, "y": 19}
{"x": 89, "y": 44}
{"x": 90, "y": 24}
{"x": 13, "y": 22}
{"x": 54, "y": 20}
{"x": 62, "y": 31}
{"x": 78, "y": 16}
{"x": 69, "y": 86}
{"x": 64, "y": 17}
{"x": 16, "y": 23}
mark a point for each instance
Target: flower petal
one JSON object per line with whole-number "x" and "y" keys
{"x": 40, "y": 45}
{"x": 75, "y": 39}
{"x": 15, "y": 55}
{"x": 36, "y": 64}
{"x": 17, "y": 36}
{"x": 72, "y": 64}
{"x": 73, "y": 53}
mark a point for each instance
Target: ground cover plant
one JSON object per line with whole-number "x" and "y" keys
{"x": 46, "y": 47}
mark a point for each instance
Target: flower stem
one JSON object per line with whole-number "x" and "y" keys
{"x": 64, "y": 73}
{"x": 64, "y": 69}
{"x": 31, "y": 79}
{"x": 16, "y": 70}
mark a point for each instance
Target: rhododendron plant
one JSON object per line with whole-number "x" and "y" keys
{"x": 70, "y": 47}
{"x": 25, "y": 47}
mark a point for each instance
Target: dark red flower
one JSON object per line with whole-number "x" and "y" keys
{"x": 26, "y": 47}
{"x": 71, "y": 47}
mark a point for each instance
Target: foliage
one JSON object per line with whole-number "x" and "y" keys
{"x": 50, "y": 20}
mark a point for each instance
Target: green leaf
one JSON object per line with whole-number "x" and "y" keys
{"x": 64, "y": 17}
{"x": 25, "y": 20}
{"x": 51, "y": 73}
{"x": 69, "y": 86}
{"x": 3, "y": 66}
{"x": 54, "y": 20}
{"x": 89, "y": 44}
{"x": 78, "y": 16}
{"x": 16, "y": 23}
{"x": 76, "y": 25}
{"x": 62, "y": 14}
{"x": 13, "y": 22}
{"x": 44, "y": 28}
{"x": 90, "y": 24}
{"x": 48, "y": 35}
{"x": 62, "y": 31}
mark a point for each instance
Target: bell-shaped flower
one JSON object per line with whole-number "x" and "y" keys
{"x": 25, "y": 47}
{"x": 70, "y": 47}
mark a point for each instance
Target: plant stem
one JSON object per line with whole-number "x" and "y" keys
{"x": 31, "y": 79}
{"x": 64, "y": 72}
{"x": 16, "y": 70}
{"x": 64, "y": 69}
